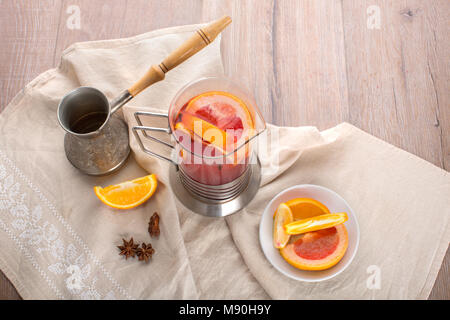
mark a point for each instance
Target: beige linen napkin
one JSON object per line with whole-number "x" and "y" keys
{"x": 401, "y": 201}
{"x": 58, "y": 241}
{"x": 402, "y": 204}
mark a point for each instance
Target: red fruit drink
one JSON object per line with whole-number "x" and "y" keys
{"x": 213, "y": 129}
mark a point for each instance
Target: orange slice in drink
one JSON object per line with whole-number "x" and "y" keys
{"x": 224, "y": 110}
{"x": 323, "y": 221}
{"x": 128, "y": 194}
{"x": 222, "y": 121}
{"x": 221, "y": 108}
{"x": 283, "y": 216}
{"x": 182, "y": 130}
{"x": 204, "y": 130}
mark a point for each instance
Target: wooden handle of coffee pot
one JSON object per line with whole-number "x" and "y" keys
{"x": 194, "y": 44}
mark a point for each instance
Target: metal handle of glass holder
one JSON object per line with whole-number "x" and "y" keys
{"x": 144, "y": 130}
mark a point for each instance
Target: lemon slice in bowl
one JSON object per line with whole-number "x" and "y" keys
{"x": 283, "y": 216}
{"x": 323, "y": 221}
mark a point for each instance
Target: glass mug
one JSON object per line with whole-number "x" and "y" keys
{"x": 213, "y": 122}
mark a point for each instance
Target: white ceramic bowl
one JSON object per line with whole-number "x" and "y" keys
{"x": 335, "y": 203}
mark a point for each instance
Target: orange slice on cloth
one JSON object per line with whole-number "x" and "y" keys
{"x": 317, "y": 250}
{"x": 303, "y": 208}
{"x": 283, "y": 216}
{"x": 323, "y": 221}
{"x": 128, "y": 194}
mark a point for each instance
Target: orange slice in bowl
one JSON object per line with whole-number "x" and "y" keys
{"x": 283, "y": 216}
{"x": 128, "y": 194}
{"x": 303, "y": 208}
{"x": 323, "y": 221}
{"x": 317, "y": 250}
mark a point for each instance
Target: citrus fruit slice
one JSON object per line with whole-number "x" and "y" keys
{"x": 303, "y": 208}
{"x": 204, "y": 130}
{"x": 181, "y": 129}
{"x": 225, "y": 111}
{"x": 222, "y": 109}
{"x": 128, "y": 194}
{"x": 317, "y": 250}
{"x": 323, "y": 221}
{"x": 186, "y": 136}
{"x": 283, "y": 215}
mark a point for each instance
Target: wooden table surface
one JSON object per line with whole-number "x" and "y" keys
{"x": 382, "y": 65}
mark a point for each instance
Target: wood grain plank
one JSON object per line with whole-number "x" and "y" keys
{"x": 441, "y": 286}
{"x": 143, "y": 15}
{"x": 297, "y": 77}
{"x": 398, "y": 80}
{"x": 7, "y": 290}
{"x": 438, "y": 58}
{"x": 247, "y": 48}
{"x": 29, "y": 32}
{"x": 99, "y": 20}
{"x": 28, "y": 35}
{"x": 392, "y": 74}
{"x": 309, "y": 59}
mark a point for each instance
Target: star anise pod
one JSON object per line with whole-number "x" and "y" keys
{"x": 128, "y": 249}
{"x": 153, "y": 225}
{"x": 145, "y": 252}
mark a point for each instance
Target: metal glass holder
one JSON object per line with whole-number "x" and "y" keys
{"x": 207, "y": 200}
{"x": 202, "y": 203}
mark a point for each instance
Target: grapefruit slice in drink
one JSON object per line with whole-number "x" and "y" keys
{"x": 221, "y": 120}
{"x": 223, "y": 111}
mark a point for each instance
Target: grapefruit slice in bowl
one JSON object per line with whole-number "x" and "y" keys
{"x": 317, "y": 250}
{"x": 301, "y": 261}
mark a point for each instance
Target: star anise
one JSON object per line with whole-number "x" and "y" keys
{"x": 153, "y": 225}
{"x": 145, "y": 252}
{"x": 128, "y": 249}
